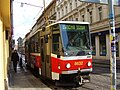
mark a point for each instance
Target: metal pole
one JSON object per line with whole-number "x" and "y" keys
{"x": 44, "y": 13}
{"x": 113, "y": 45}
{"x": 44, "y": 4}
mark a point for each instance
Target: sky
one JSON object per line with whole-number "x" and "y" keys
{"x": 24, "y": 15}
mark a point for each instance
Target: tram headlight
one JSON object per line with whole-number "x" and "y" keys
{"x": 89, "y": 63}
{"x": 68, "y": 65}
{"x": 58, "y": 67}
{"x": 66, "y": 54}
{"x": 90, "y": 53}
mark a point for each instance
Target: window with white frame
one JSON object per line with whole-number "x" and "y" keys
{"x": 59, "y": 14}
{"x": 62, "y": 12}
{"x": 75, "y": 3}
{"x": 70, "y": 6}
{"x": 54, "y": 10}
{"x": 66, "y": 9}
{"x": 76, "y": 16}
{"x": 83, "y": 17}
{"x": 100, "y": 13}
{"x": 91, "y": 18}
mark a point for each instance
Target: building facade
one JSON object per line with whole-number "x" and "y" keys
{"x": 48, "y": 16}
{"x": 20, "y": 45}
{"x": 5, "y": 38}
{"x": 98, "y": 16}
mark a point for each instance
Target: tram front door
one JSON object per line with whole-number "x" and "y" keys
{"x": 45, "y": 58}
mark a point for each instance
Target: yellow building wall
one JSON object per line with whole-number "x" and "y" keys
{"x": 5, "y": 24}
{"x": 2, "y": 83}
{"x": 6, "y": 55}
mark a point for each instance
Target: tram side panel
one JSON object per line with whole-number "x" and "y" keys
{"x": 51, "y": 62}
{"x": 32, "y": 52}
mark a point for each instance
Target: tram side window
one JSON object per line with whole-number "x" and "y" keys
{"x": 36, "y": 42}
{"x": 55, "y": 44}
{"x": 32, "y": 46}
{"x": 37, "y": 46}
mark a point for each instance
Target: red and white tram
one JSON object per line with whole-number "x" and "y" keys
{"x": 61, "y": 51}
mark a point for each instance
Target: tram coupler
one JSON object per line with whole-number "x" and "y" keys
{"x": 81, "y": 79}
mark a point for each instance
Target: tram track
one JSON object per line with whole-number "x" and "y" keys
{"x": 51, "y": 85}
{"x": 98, "y": 81}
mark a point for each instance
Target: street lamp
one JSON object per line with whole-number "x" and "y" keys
{"x": 44, "y": 15}
{"x": 22, "y": 3}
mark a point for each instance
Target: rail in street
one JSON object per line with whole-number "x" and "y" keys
{"x": 100, "y": 78}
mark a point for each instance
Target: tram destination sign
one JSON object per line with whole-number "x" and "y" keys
{"x": 73, "y": 27}
{"x": 116, "y": 2}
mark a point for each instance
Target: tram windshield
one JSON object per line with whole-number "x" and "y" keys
{"x": 75, "y": 39}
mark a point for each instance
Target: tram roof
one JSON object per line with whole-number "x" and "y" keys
{"x": 69, "y": 22}
{"x": 59, "y": 22}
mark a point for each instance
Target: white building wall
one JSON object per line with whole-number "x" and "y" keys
{"x": 117, "y": 10}
{"x": 105, "y": 11}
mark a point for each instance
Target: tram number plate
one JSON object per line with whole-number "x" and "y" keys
{"x": 78, "y": 63}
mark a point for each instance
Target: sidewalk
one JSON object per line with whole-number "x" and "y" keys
{"x": 24, "y": 80}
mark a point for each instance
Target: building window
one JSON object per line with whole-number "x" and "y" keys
{"x": 102, "y": 40}
{"x": 90, "y": 16}
{"x": 93, "y": 45}
{"x": 76, "y": 16}
{"x": 59, "y": 14}
{"x": 70, "y": 18}
{"x": 100, "y": 13}
{"x": 66, "y": 9}
{"x": 62, "y": 12}
{"x": 71, "y": 6}
{"x": 76, "y": 3}
{"x": 76, "y": 19}
{"x": 66, "y": 19}
{"x": 83, "y": 18}
{"x": 54, "y": 10}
